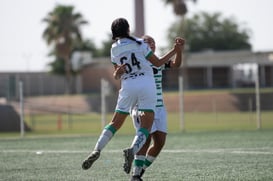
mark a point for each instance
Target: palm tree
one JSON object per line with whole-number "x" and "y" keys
{"x": 63, "y": 31}
{"x": 179, "y": 6}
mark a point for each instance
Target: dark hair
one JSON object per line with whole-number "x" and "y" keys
{"x": 120, "y": 28}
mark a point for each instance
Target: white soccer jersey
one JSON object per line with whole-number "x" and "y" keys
{"x": 137, "y": 84}
{"x": 127, "y": 51}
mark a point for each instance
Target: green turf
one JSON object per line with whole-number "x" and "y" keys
{"x": 218, "y": 155}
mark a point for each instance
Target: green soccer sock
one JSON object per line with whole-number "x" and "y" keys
{"x": 148, "y": 161}
{"x": 138, "y": 164}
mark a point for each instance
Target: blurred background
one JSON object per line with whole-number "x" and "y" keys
{"x": 56, "y": 75}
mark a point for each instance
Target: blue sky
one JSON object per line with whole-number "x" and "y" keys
{"x": 23, "y": 49}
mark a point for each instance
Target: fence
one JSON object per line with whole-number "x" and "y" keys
{"x": 35, "y": 84}
{"x": 202, "y": 109}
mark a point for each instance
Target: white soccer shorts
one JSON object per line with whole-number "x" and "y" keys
{"x": 140, "y": 91}
{"x": 160, "y": 121}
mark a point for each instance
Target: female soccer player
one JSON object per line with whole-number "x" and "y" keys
{"x": 132, "y": 60}
{"x": 145, "y": 157}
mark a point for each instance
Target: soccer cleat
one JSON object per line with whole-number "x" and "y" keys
{"x": 129, "y": 157}
{"x": 88, "y": 162}
{"x": 136, "y": 178}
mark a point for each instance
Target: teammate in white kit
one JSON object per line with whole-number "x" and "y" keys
{"x": 132, "y": 60}
{"x": 147, "y": 154}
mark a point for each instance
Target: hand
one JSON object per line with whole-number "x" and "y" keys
{"x": 180, "y": 41}
{"x": 119, "y": 71}
{"x": 179, "y": 44}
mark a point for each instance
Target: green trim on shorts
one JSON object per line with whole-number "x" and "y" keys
{"x": 146, "y": 110}
{"x": 121, "y": 112}
{"x": 110, "y": 128}
{"x": 138, "y": 163}
{"x": 144, "y": 131}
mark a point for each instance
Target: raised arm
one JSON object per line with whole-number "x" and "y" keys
{"x": 160, "y": 61}
{"x": 176, "y": 50}
{"x": 180, "y": 42}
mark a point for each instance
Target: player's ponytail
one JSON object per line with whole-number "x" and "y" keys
{"x": 120, "y": 29}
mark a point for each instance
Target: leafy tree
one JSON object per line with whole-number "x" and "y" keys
{"x": 106, "y": 46}
{"x": 58, "y": 65}
{"x": 87, "y": 46}
{"x": 209, "y": 31}
{"x": 63, "y": 32}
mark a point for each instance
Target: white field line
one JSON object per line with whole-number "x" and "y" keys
{"x": 253, "y": 151}
{"x": 228, "y": 151}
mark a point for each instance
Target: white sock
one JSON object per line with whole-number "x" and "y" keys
{"x": 139, "y": 139}
{"x": 105, "y": 137}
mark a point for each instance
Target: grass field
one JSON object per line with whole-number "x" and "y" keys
{"x": 214, "y": 146}
{"x": 190, "y": 156}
